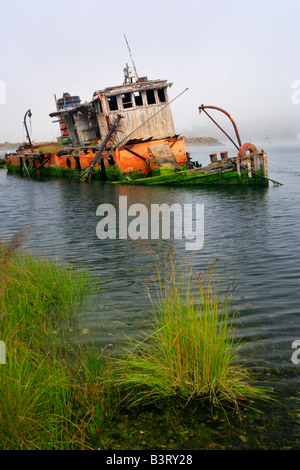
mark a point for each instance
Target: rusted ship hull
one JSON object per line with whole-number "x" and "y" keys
{"x": 132, "y": 160}
{"x": 136, "y": 165}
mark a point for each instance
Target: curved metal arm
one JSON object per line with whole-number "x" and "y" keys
{"x": 203, "y": 108}
{"x": 29, "y": 114}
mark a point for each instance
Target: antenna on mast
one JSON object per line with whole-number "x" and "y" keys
{"x": 129, "y": 71}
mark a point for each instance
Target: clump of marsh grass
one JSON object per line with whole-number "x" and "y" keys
{"x": 191, "y": 353}
{"x": 37, "y": 293}
{"x": 52, "y": 395}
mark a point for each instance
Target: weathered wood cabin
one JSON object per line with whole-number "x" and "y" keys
{"x": 137, "y": 100}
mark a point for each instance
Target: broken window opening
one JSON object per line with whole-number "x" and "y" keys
{"x": 70, "y": 122}
{"x": 94, "y": 125}
{"x": 138, "y": 98}
{"x": 126, "y": 100}
{"x": 77, "y": 163}
{"x": 110, "y": 160}
{"x": 161, "y": 95}
{"x": 98, "y": 132}
{"x": 99, "y": 106}
{"x": 150, "y": 96}
{"x": 113, "y": 103}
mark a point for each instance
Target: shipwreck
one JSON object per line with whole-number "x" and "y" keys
{"x": 125, "y": 134}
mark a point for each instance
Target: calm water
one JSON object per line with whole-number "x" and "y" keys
{"x": 255, "y": 230}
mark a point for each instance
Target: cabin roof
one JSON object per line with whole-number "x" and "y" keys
{"x": 72, "y": 109}
{"x": 136, "y": 86}
{"x": 111, "y": 91}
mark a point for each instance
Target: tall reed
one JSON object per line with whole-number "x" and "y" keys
{"x": 192, "y": 352}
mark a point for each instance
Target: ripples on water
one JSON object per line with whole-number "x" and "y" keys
{"x": 255, "y": 230}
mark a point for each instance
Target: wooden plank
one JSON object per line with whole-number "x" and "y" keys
{"x": 238, "y": 168}
{"x": 265, "y": 165}
{"x": 249, "y": 168}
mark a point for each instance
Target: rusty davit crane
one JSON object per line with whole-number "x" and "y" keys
{"x": 248, "y": 157}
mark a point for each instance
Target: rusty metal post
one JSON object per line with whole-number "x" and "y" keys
{"x": 213, "y": 158}
{"x": 224, "y": 155}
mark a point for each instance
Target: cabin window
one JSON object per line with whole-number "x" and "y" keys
{"x": 161, "y": 95}
{"x": 93, "y": 124}
{"x": 138, "y": 98}
{"x": 150, "y": 96}
{"x": 126, "y": 100}
{"x": 113, "y": 103}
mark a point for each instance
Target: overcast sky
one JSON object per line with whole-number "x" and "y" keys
{"x": 239, "y": 55}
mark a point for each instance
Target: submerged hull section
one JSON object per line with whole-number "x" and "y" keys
{"x": 250, "y": 170}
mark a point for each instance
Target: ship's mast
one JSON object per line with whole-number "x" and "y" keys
{"x": 133, "y": 64}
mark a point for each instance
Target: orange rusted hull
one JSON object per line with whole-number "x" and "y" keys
{"x": 127, "y": 160}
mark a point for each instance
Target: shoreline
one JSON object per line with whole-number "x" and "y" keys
{"x": 202, "y": 141}
{"x": 189, "y": 140}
